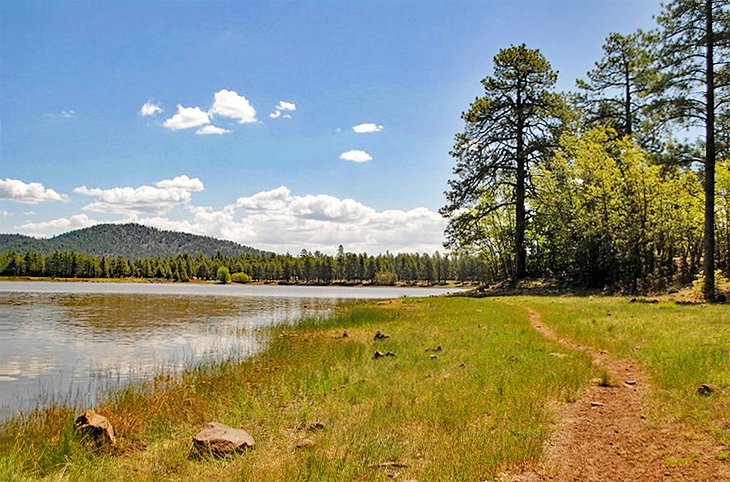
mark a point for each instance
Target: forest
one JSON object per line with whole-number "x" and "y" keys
{"x": 313, "y": 268}
{"x": 623, "y": 183}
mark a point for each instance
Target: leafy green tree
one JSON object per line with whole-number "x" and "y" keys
{"x": 508, "y": 130}
{"x": 223, "y": 275}
{"x": 693, "y": 86}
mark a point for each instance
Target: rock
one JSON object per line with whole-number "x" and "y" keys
{"x": 219, "y": 439}
{"x": 95, "y": 426}
{"x": 433, "y": 357}
{"x": 380, "y": 354}
{"x": 596, "y": 404}
{"x": 707, "y": 389}
{"x": 630, "y": 382}
{"x": 305, "y": 443}
{"x": 380, "y": 336}
{"x": 558, "y": 355}
{"x": 315, "y": 426}
{"x": 345, "y": 334}
{"x": 438, "y": 348}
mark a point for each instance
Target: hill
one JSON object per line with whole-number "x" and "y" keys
{"x": 133, "y": 241}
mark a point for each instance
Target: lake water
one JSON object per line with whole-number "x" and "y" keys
{"x": 70, "y": 342}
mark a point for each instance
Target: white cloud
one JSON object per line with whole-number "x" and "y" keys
{"x": 280, "y": 221}
{"x": 5, "y": 214}
{"x": 211, "y": 130}
{"x": 145, "y": 200}
{"x": 68, "y": 114}
{"x": 367, "y": 128}
{"x": 56, "y": 226}
{"x": 229, "y": 103}
{"x": 356, "y": 156}
{"x": 28, "y": 193}
{"x": 186, "y": 118}
{"x": 275, "y": 219}
{"x": 284, "y": 105}
{"x": 182, "y": 182}
{"x": 150, "y": 108}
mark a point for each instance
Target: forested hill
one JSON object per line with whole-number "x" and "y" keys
{"x": 132, "y": 241}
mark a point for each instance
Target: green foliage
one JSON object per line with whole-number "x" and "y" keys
{"x": 223, "y": 275}
{"x": 315, "y": 268}
{"x": 720, "y": 281}
{"x": 241, "y": 278}
{"x": 606, "y": 215}
{"x": 507, "y": 130}
{"x": 614, "y": 93}
{"x": 385, "y": 278}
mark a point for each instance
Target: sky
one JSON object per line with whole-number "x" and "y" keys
{"x": 279, "y": 125}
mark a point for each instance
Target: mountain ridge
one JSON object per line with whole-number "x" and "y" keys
{"x": 131, "y": 240}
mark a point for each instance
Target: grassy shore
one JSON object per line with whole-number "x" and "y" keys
{"x": 478, "y": 406}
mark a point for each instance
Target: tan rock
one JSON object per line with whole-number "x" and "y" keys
{"x": 219, "y": 439}
{"x": 96, "y": 427}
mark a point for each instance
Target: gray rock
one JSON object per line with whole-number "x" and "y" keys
{"x": 219, "y": 439}
{"x": 96, "y": 427}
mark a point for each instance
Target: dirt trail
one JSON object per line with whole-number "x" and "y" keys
{"x": 604, "y": 436}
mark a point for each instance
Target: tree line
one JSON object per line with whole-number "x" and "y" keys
{"x": 308, "y": 267}
{"x": 624, "y": 182}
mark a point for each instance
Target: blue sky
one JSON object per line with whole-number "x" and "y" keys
{"x": 75, "y": 148}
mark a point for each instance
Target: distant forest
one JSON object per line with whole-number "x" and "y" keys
{"x": 315, "y": 268}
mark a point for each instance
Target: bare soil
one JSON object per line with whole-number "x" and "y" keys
{"x": 607, "y": 436}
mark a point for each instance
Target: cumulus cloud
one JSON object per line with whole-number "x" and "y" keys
{"x": 356, "y": 156}
{"x": 281, "y": 221}
{"x": 186, "y": 118}
{"x": 211, "y": 130}
{"x": 149, "y": 108}
{"x": 28, "y": 193}
{"x": 182, "y": 182}
{"x": 228, "y": 103}
{"x": 68, "y": 114}
{"x": 367, "y": 128}
{"x": 145, "y": 200}
{"x": 283, "y": 106}
{"x": 56, "y": 226}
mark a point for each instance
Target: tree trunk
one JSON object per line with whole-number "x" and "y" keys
{"x": 520, "y": 222}
{"x": 709, "y": 232}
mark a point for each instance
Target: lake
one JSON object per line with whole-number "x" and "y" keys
{"x": 71, "y": 341}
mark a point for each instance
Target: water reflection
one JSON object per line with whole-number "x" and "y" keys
{"x": 71, "y": 346}
{"x": 71, "y": 341}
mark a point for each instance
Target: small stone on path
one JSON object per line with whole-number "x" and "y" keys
{"x": 630, "y": 382}
{"x": 596, "y": 404}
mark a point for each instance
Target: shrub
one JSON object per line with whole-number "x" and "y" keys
{"x": 223, "y": 275}
{"x": 241, "y": 278}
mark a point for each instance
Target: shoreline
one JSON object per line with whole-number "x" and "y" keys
{"x": 445, "y": 285}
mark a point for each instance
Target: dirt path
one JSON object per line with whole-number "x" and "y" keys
{"x": 605, "y": 436}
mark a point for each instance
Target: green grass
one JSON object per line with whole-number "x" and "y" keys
{"x": 680, "y": 346}
{"x": 481, "y": 406}
{"x": 441, "y": 419}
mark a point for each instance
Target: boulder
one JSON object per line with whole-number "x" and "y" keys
{"x": 96, "y": 427}
{"x": 218, "y": 439}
